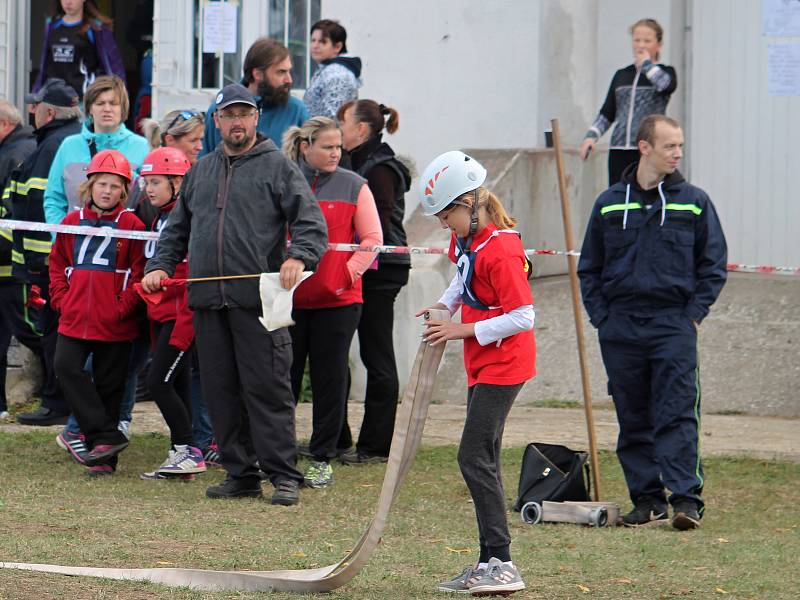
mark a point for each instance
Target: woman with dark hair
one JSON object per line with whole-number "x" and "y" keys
{"x": 336, "y": 79}
{"x": 78, "y": 46}
{"x": 362, "y": 123}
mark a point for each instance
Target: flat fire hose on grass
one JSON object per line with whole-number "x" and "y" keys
{"x": 410, "y": 423}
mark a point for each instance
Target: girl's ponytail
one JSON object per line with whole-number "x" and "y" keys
{"x": 496, "y": 211}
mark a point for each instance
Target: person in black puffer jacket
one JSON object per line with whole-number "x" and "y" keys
{"x": 362, "y": 123}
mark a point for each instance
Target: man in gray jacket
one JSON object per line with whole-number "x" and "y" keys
{"x": 232, "y": 217}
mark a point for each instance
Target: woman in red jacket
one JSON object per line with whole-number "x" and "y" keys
{"x": 327, "y": 306}
{"x": 171, "y": 319}
{"x": 91, "y": 286}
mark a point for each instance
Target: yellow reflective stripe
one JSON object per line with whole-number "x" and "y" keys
{"x": 5, "y": 270}
{"x": 17, "y": 257}
{"x": 615, "y": 207}
{"x": 6, "y": 233}
{"x": 37, "y": 245}
{"x": 691, "y": 207}
{"x": 34, "y": 183}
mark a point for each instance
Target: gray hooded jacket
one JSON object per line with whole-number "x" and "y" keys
{"x": 232, "y": 218}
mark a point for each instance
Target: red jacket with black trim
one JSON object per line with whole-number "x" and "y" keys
{"x": 174, "y": 305}
{"x": 92, "y": 277}
{"x": 350, "y": 214}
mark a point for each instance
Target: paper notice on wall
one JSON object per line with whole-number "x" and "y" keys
{"x": 219, "y": 28}
{"x": 784, "y": 69}
{"x": 780, "y": 18}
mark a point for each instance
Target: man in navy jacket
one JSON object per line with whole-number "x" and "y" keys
{"x": 653, "y": 262}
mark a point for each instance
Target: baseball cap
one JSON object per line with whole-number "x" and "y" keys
{"x": 235, "y": 93}
{"x": 54, "y": 91}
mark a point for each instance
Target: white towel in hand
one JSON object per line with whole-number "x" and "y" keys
{"x": 276, "y": 302}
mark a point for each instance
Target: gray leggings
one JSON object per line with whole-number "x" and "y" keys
{"x": 479, "y": 459}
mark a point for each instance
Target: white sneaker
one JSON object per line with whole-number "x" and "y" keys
{"x": 4, "y": 415}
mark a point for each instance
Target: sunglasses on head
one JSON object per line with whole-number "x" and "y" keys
{"x": 185, "y": 115}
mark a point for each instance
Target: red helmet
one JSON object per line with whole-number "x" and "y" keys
{"x": 110, "y": 161}
{"x": 165, "y": 161}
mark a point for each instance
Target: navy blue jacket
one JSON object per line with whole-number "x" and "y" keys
{"x": 671, "y": 257}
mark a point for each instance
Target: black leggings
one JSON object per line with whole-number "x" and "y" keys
{"x": 169, "y": 382}
{"x": 618, "y": 161}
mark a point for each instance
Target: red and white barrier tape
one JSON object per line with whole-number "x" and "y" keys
{"x": 151, "y": 235}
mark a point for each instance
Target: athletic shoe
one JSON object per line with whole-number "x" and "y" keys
{"x": 236, "y": 487}
{"x": 287, "y": 493}
{"x": 647, "y": 513}
{"x": 319, "y": 474}
{"x": 156, "y": 476}
{"x": 101, "y": 470}
{"x": 355, "y": 458}
{"x": 212, "y": 455}
{"x": 102, "y": 453}
{"x": 460, "y": 584}
{"x": 184, "y": 459}
{"x": 499, "y": 579}
{"x": 685, "y": 515}
{"x": 74, "y": 444}
{"x": 4, "y": 415}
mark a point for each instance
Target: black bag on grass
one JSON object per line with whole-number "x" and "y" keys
{"x": 553, "y": 473}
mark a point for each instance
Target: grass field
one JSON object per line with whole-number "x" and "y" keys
{"x": 50, "y": 512}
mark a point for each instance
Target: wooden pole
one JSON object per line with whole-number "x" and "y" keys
{"x": 572, "y": 263}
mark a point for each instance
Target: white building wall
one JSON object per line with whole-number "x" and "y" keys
{"x": 744, "y": 142}
{"x": 461, "y": 75}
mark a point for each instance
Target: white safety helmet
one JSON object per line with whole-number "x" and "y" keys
{"x": 447, "y": 177}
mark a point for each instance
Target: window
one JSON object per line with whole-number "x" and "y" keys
{"x": 218, "y": 52}
{"x": 217, "y": 43}
{"x": 290, "y": 22}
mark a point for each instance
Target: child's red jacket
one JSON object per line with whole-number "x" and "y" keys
{"x": 92, "y": 277}
{"x": 174, "y": 305}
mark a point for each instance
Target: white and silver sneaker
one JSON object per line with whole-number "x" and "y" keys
{"x": 499, "y": 579}
{"x": 460, "y": 583}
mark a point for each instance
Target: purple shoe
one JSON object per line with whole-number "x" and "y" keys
{"x": 74, "y": 444}
{"x": 183, "y": 460}
{"x": 102, "y": 453}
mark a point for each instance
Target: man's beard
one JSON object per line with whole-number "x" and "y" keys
{"x": 235, "y": 144}
{"x": 272, "y": 96}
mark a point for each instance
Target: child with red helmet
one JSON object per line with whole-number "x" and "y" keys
{"x": 169, "y": 376}
{"x": 91, "y": 286}
{"x": 492, "y": 290}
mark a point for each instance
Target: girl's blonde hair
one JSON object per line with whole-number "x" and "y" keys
{"x": 655, "y": 26}
{"x": 176, "y": 123}
{"x": 309, "y": 132}
{"x": 85, "y": 188}
{"x": 494, "y": 208}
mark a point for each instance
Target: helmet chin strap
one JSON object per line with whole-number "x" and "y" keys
{"x": 473, "y": 219}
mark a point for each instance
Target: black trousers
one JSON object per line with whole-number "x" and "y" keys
{"x": 479, "y": 459}
{"x": 376, "y": 343}
{"x": 15, "y": 320}
{"x": 618, "y": 161}
{"x": 654, "y": 380}
{"x": 47, "y": 324}
{"x": 244, "y": 371}
{"x": 94, "y": 398}
{"x": 169, "y": 382}
{"x": 323, "y": 336}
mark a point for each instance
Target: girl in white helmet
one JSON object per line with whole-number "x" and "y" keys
{"x": 491, "y": 288}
